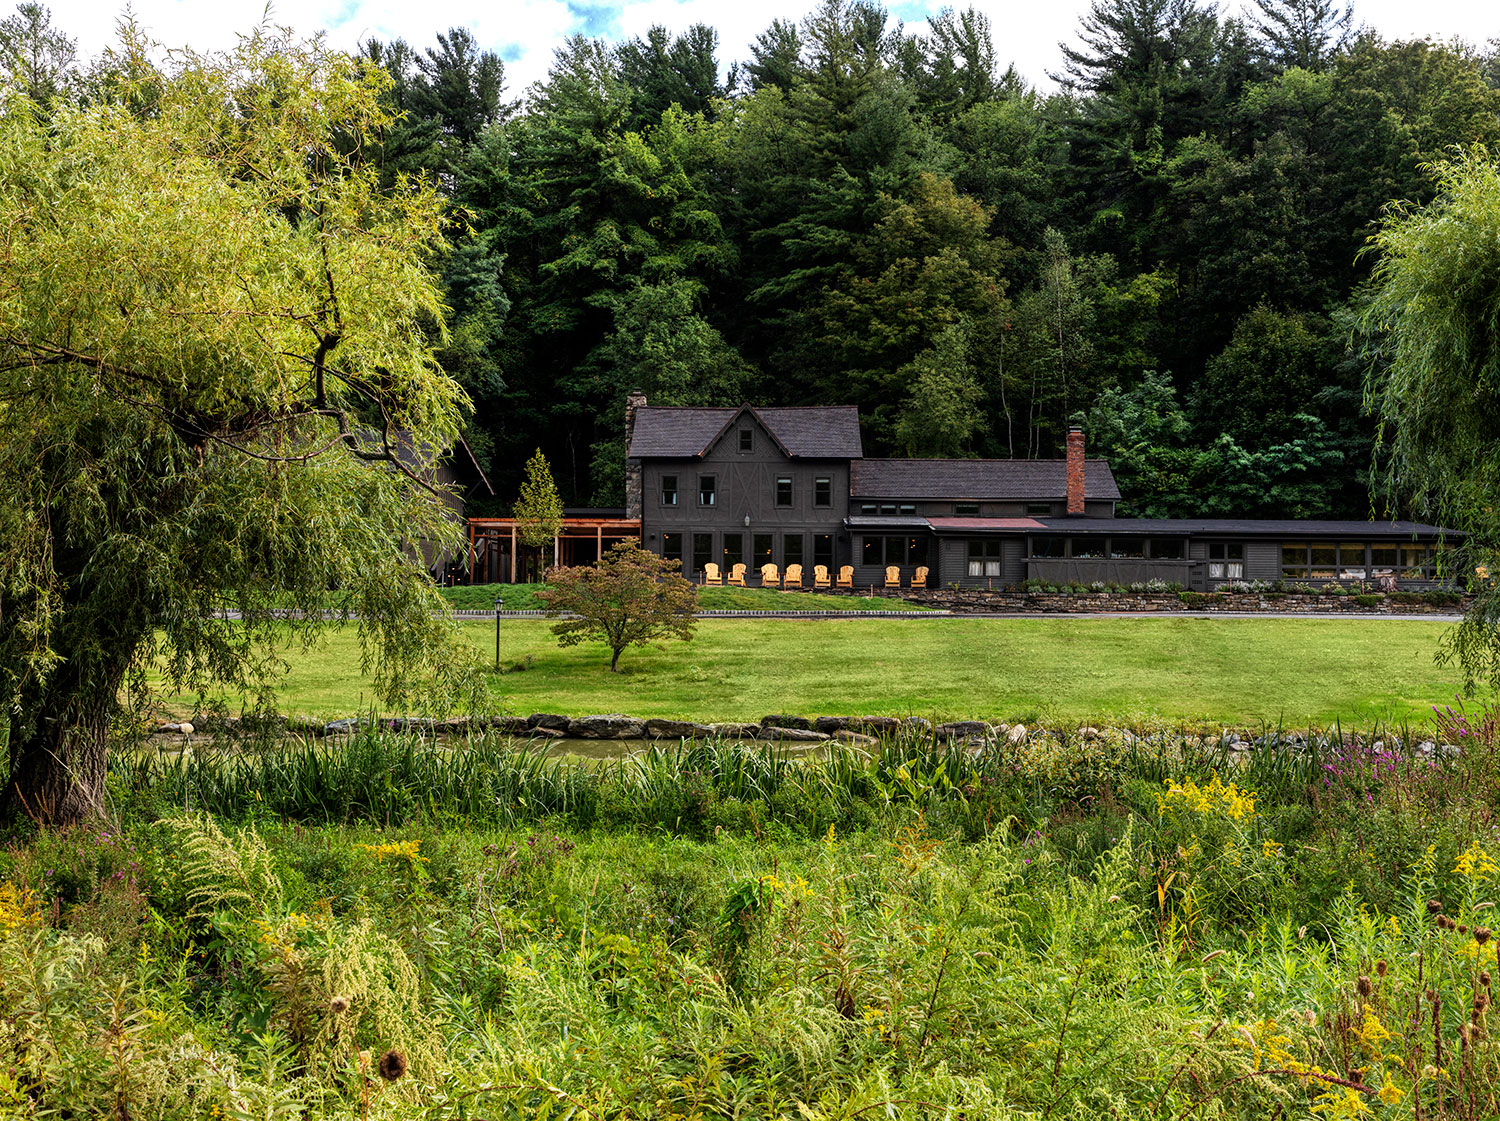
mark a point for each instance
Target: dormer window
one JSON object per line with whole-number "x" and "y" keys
{"x": 747, "y": 440}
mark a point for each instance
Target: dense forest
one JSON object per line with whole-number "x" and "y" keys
{"x": 1170, "y": 244}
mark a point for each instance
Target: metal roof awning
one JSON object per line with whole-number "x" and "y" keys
{"x": 624, "y": 525}
{"x": 984, "y": 525}
{"x": 1242, "y": 527}
{"x": 872, "y": 521}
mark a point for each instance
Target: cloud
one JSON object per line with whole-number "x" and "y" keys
{"x": 527, "y": 32}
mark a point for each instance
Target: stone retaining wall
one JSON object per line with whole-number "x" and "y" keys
{"x": 981, "y": 601}
{"x": 612, "y": 726}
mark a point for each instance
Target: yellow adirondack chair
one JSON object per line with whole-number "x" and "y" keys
{"x": 892, "y": 576}
{"x": 793, "y": 577}
{"x": 820, "y": 576}
{"x": 770, "y": 576}
{"x": 737, "y": 575}
{"x": 711, "y": 575}
{"x": 919, "y": 577}
{"x": 846, "y": 576}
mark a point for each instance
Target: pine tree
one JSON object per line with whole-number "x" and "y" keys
{"x": 1305, "y": 33}
{"x": 539, "y": 509}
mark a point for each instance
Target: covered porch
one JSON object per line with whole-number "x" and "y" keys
{"x": 498, "y": 556}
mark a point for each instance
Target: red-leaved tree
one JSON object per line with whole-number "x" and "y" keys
{"x": 632, "y": 597}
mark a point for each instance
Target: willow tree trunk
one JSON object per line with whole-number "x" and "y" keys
{"x": 58, "y": 759}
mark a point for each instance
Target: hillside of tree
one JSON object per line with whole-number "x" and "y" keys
{"x": 1170, "y": 244}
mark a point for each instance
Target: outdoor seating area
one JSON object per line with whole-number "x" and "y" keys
{"x": 771, "y": 576}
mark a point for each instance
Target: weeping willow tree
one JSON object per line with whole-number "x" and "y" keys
{"x": 217, "y": 397}
{"x": 1434, "y": 381}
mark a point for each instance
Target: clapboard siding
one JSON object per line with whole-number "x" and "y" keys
{"x": 1013, "y": 560}
{"x": 1262, "y": 560}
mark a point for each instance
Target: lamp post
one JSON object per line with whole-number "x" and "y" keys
{"x": 499, "y": 603}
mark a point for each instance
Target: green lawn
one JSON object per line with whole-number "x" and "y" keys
{"x": 522, "y": 597}
{"x": 1241, "y": 671}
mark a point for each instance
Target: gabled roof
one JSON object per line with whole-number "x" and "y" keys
{"x": 977, "y": 479}
{"x": 733, "y": 422}
{"x": 677, "y": 432}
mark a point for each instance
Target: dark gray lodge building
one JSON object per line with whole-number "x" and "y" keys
{"x": 792, "y": 486}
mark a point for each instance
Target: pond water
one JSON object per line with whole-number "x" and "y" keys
{"x": 563, "y": 748}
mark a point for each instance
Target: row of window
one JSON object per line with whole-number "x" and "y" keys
{"x": 1113, "y": 548}
{"x": 731, "y": 547}
{"x": 887, "y": 550}
{"x": 1356, "y": 560}
{"x": 708, "y": 490}
{"x": 1302, "y": 560}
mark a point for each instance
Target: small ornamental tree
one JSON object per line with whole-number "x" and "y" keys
{"x": 632, "y": 597}
{"x": 538, "y": 509}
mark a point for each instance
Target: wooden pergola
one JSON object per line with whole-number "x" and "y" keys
{"x": 488, "y": 535}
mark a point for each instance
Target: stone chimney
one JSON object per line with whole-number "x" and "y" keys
{"x": 1075, "y": 471}
{"x": 634, "y": 500}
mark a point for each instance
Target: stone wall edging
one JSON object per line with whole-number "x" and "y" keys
{"x": 980, "y": 600}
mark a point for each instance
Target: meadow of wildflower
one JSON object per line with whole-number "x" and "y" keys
{"x": 1090, "y": 923}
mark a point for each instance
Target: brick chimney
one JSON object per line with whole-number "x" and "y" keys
{"x": 634, "y": 500}
{"x": 1075, "y": 471}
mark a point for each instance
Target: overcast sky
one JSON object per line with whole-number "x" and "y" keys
{"x": 525, "y": 32}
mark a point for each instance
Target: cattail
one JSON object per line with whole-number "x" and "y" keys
{"x": 339, "y": 1005}
{"x": 1434, "y": 906}
{"x": 392, "y": 1065}
{"x": 1481, "y": 934}
{"x": 1364, "y": 986}
{"x": 1381, "y": 967}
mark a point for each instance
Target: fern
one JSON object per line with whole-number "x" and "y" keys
{"x": 223, "y": 872}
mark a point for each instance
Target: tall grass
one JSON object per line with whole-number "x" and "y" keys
{"x": 385, "y": 778}
{"x": 1183, "y": 928}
